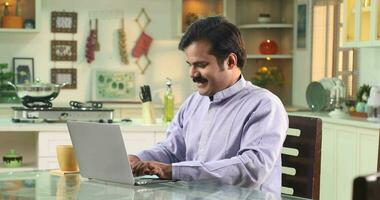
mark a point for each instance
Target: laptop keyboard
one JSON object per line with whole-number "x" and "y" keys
{"x": 144, "y": 180}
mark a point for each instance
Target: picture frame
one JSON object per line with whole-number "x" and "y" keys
{"x": 114, "y": 85}
{"x": 23, "y": 69}
{"x": 63, "y": 50}
{"x": 64, "y": 22}
{"x": 64, "y": 75}
{"x": 301, "y": 32}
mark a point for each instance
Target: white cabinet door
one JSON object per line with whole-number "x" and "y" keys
{"x": 327, "y": 178}
{"x": 48, "y": 163}
{"x": 345, "y": 160}
{"x": 347, "y": 152}
{"x": 368, "y": 147}
{"x": 48, "y": 141}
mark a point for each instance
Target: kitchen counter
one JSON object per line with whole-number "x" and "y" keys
{"x": 6, "y": 125}
{"x": 349, "y": 121}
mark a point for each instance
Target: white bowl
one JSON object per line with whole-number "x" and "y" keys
{"x": 263, "y": 20}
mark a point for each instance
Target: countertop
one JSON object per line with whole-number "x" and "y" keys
{"x": 136, "y": 125}
{"x": 348, "y": 120}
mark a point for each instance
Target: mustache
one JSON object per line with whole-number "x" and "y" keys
{"x": 199, "y": 79}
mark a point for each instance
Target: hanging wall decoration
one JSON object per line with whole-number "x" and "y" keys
{"x": 91, "y": 44}
{"x": 64, "y": 22}
{"x": 66, "y": 75}
{"x": 123, "y": 44}
{"x": 141, "y": 48}
{"x": 63, "y": 50}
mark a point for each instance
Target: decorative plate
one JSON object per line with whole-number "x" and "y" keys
{"x": 317, "y": 96}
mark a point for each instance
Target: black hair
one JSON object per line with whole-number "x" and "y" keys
{"x": 223, "y": 36}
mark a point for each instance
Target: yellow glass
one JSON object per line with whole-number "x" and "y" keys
{"x": 66, "y": 158}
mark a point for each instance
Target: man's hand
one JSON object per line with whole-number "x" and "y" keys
{"x": 136, "y": 164}
{"x": 162, "y": 170}
{"x": 140, "y": 168}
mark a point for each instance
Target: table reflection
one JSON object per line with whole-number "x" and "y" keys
{"x": 43, "y": 185}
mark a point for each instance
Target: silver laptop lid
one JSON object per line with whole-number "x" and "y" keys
{"x": 101, "y": 152}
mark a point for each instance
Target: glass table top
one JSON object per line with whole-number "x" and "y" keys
{"x": 43, "y": 185}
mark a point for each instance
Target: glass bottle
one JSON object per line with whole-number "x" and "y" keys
{"x": 168, "y": 102}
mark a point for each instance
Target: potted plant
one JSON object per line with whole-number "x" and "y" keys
{"x": 266, "y": 77}
{"x": 7, "y": 92}
{"x": 269, "y": 78}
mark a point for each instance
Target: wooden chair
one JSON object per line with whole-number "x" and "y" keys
{"x": 366, "y": 187}
{"x": 301, "y": 157}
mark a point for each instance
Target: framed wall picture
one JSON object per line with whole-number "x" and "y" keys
{"x": 113, "y": 86}
{"x": 64, "y": 22}
{"x": 23, "y": 69}
{"x": 63, "y": 50}
{"x": 66, "y": 75}
{"x": 301, "y": 25}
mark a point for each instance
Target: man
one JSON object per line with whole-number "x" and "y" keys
{"x": 230, "y": 129}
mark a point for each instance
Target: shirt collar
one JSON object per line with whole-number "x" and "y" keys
{"x": 228, "y": 92}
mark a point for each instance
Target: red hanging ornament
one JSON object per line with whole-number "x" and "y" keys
{"x": 142, "y": 45}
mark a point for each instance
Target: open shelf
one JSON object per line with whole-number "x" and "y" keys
{"x": 271, "y": 56}
{"x": 268, "y": 25}
{"x": 24, "y": 167}
{"x": 30, "y": 10}
{"x": 25, "y": 144}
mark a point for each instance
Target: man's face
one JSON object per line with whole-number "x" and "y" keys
{"x": 208, "y": 76}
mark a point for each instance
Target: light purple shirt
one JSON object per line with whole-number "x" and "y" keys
{"x": 236, "y": 138}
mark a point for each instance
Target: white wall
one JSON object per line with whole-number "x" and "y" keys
{"x": 302, "y": 61}
{"x": 369, "y": 66}
{"x": 167, "y": 61}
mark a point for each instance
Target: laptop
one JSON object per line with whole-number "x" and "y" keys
{"x": 101, "y": 154}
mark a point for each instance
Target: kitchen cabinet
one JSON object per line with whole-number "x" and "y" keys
{"x": 37, "y": 142}
{"x": 350, "y": 148}
{"x": 279, "y": 28}
{"x": 347, "y": 152}
{"x": 30, "y": 10}
{"x": 47, "y": 159}
{"x": 361, "y": 23}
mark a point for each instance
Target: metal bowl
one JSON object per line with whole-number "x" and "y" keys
{"x": 37, "y": 94}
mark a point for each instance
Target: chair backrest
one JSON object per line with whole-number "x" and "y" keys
{"x": 366, "y": 187}
{"x": 301, "y": 157}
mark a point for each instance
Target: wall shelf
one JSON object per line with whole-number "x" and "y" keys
{"x": 31, "y": 9}
{"x": 269, "y": 25}
{"x": 272, "y": 56}
{"x": 245, "y": 13}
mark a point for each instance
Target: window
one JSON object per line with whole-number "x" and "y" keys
{"x": 328, "y": 59}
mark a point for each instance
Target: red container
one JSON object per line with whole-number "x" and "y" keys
{"x": 268, "y": 47}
